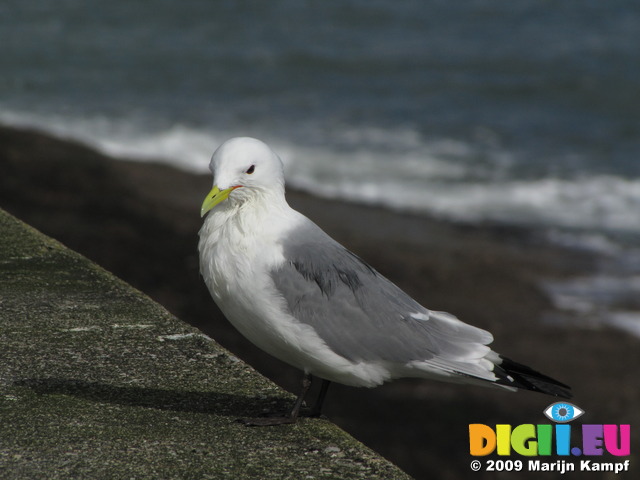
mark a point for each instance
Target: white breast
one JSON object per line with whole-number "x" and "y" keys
{"x": 238, "y": 249}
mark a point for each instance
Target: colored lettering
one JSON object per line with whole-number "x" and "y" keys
{"x": 482, "y": 440}
{"x": 503, "y": 433}
{"x": 592, "y": 439}
{"x": 545, "y": 432}
{"x": 530, "y": 440}
{"x": 563, "y": 439}
{"x": 611, "y": 443}
{"x": 523, "y": 440}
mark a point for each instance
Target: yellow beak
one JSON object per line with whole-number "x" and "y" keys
{"x": 213, "y": 198}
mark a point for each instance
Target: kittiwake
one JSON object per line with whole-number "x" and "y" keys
{"x": 305, "y": 299}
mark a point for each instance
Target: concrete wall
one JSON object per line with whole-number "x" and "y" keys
{"x": 98, "y": 381}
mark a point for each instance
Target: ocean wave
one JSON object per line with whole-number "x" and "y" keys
{"x": 600, "y": 202}
{"x": 397, "y": 169}
{"x": 599, "y": 300}
{"x": 185, "y": 148}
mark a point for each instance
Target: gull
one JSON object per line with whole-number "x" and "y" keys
{"x": 302, "y": 297}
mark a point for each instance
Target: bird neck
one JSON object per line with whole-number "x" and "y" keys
{"x": 262, "y": 211}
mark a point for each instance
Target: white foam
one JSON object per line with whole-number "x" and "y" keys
{"x": 599, "y": 300}
{"x": 178, "y": 145}
{"x": 602, "y": 203}
{"x": 586, "y": 294}
{"x": 592, "y": 242}
{"x": 627, "y": 321}
{"x": 396, "y": 168}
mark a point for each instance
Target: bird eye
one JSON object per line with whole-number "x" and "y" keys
{"x": 562, "y": 412}
{"x": 251, "y": 169}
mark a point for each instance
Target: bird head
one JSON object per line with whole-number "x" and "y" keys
{"x": 242, "y": 168}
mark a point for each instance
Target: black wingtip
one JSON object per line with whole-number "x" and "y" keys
{"x": 514, "y": 374}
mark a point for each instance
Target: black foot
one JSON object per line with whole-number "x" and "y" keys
{"x": 268, "y": 421}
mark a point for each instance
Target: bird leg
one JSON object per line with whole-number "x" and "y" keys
{"x": 317, "y": 407}
{"x": 287, "y": 419}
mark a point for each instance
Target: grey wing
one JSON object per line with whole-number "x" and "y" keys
{"x": 360, "y": 314}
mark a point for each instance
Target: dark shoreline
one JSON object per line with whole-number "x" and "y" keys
{"x": 141, "y": 220}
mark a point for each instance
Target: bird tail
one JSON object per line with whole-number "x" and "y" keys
{"x": 513, "y": 374}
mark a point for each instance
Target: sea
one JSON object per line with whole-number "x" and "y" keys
{"x": 523, "y": 113}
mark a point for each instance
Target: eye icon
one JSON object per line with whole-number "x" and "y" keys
{"x": 562, "y": 412}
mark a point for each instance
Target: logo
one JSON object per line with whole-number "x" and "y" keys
{"x": 545, "y": 440}
{"x": 562, "y": 412}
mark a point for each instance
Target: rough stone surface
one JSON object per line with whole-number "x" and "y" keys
{"x": 98, "y": 381}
